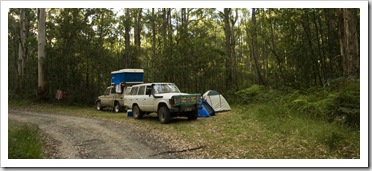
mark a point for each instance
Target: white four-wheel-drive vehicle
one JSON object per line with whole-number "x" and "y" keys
{"x": 165, "y": 99}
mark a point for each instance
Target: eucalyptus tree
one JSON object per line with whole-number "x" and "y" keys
{"x": 42, "y": 91}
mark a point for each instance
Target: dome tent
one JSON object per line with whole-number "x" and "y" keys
{"x": 216, "y": 101}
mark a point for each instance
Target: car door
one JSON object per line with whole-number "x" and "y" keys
{"x": 141, "y": 98}
{"x": 105, "y": 99}
{"x": 111, "y": 97}
{"x": 131, "y": 98}
{"x": 149, "y": 100}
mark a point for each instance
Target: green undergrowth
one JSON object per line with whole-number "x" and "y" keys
{"x": 338, "y": 102}
{"x": 323, "y": 121}
{"x": 24, "y": 141}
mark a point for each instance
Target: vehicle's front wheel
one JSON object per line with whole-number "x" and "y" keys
{"x": 98, "y": 105}
{"x": 164, "y": 115}
{"x": 137, "y": 113}
{"x": 192, "y": 115}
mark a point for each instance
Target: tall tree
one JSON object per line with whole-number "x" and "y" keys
{"x": 228, "y": 59}
{"x": 153, "y": 40}
{"x": 21, "y": 49}
{"x": 138, "y": 27}
{"x": 349, "y": 42}
{"x": 42, "y": 92}
{"x": 127, "y": 27}
{"x": 254, "y": 49}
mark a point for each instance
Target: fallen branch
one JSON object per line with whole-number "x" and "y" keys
{"x": 177, "y": 151}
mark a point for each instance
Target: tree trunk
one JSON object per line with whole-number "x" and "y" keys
{"x": 254, "y": 49}
{"x": 42, "y": 92}
{"x": 164, "y": 26}
{"x": 273, "y": 50}
{"x": 21, "y": 50}
{"x": 349, "y": 43}
{"x": 317, "y": 74}
{"x": 233, "y": 51}
{"x": 228, "y": 47}
{"x": 127, "y": 60}
{"x": 153, "y": 43}
{"x": 138, "y": 29}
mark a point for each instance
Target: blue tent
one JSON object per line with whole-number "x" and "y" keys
{"x": 206, "y": 109}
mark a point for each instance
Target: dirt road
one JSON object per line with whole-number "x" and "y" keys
{"x": 71, "y": 137}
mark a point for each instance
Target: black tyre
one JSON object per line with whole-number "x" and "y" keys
{"x": 98, "y": 105}
{"x": 192, "y": 115}
{"x": 117, "y": 107}
{"x": 137, "y": 113}
{"x": 164, "y": 115}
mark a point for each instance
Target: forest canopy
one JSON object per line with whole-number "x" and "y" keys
{"x": 198, "y": 49}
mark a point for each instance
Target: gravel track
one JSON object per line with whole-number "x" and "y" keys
{"x": 71, "y": 137}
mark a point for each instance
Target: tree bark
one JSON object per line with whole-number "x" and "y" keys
{"x": 228, "y": 62}
{"x": 254, "y": 49}
{"x": 273, "y": 50}
{"x": 41, "y": 55}
{"x": 164, "y": 26}
{"x": 127, "y": 60}
{"x": 153, "y": 42}
{"x": 21, "y": 50}
{"x": 138, "y": 29}
{"x": 349, "y": 43}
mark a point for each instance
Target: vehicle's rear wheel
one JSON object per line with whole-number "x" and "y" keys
{"x": 164, "y": 115}
{"x": 192, "y": 115}
{"x": 137, "y": 113}
{"x": 98, "y": 105}
{"x": 117, "y": 107}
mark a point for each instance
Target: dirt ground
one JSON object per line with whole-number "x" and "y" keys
{"x": 71, "y": 137}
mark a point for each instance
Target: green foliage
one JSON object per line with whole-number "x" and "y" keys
{"x": 346, "y": 104}
{"x": 24, "y": 141}
{"x": 295, "y": 48}
{"x": 336, "y": 103}
{"x": 259, "y": 94}
{"x": 298, "y": 130}
{"x": 250, "y": 95}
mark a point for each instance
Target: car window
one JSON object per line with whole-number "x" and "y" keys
{"x": 166, "y": 88}
{"x": 107, "y": 92}
{"x": 148, "y": 90}
{"x": 128, "y": 90}
{"x": 141, "y": 90}
{"x": 134, "y": 91}
{"x": 113, "y": 90}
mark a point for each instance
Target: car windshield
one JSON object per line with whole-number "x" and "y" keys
{"x": 166, "y": 88}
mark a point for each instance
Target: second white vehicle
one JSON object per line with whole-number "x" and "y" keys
{"x": 163, "y": 98}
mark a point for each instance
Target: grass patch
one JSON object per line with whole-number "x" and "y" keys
{"x": 257, "y": 131}
{"x": 24, "y": 141}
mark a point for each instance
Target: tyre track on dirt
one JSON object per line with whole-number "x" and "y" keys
{"x": 90, "y": 138}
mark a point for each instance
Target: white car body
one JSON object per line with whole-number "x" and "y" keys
{"x": 149, "y": 98}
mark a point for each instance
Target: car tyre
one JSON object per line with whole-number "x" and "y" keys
{"x": 137, "y": 113}
{"x": 117, "y": 107}
{"x": 192, "y": 115}
{"x": 98, "y": 105}
{"x": 164, "y": 115}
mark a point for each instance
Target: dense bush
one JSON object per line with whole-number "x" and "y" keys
{"x": 337, "y": 102}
